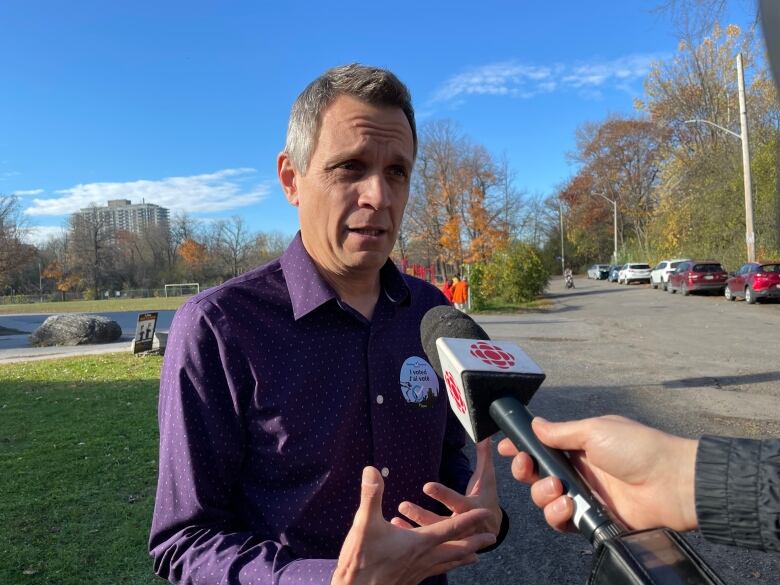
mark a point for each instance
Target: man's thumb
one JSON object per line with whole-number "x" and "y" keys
{"x": 569, "y": 435}
{"x": 371, "y": 489}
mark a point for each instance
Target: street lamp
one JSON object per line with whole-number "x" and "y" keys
{"x": 750, "y": 236}
{"x": 614, "y": 209}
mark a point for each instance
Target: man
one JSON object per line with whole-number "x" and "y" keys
{"x": 726, "y": 487}
{"x": 285, "y": 388}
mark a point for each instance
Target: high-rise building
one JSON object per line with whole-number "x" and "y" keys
{"x": 122, "y": 214}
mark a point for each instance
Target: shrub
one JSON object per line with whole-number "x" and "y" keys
{"x": 516, "y": 274}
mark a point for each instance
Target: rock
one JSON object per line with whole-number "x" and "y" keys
{"x": 75, "y": 329}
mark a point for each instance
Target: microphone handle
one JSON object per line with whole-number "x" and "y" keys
{"x": 590, "y": 517}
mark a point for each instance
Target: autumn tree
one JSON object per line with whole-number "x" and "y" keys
{"x": 92, "y": 244}
{"x": 14, "y": 252}
{"x": 462, "y": 206}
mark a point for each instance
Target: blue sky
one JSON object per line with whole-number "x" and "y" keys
{"x": 185, "y": 104}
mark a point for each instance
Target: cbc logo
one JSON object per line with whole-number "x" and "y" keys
{"x": 492, "y": 355}
{"x": 452, "y": 388}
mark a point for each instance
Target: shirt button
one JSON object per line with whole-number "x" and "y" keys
{"x": 380, "y": 399}
{"x": 385, "y": 472}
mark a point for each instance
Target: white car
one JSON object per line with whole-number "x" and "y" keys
{"x": 634, "y": 272}
{"x": 659, "y": 277}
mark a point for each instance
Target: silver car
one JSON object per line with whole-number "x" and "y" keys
{"x": 634, "y": 272}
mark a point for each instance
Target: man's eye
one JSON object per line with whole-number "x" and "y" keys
{"x": 399, "y": 172}
{"x": 350, "y": 165}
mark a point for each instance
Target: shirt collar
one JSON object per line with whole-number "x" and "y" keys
{"x": 308, "y": 289}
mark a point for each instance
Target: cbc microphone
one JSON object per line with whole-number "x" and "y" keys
{"x": 488, "y": 385}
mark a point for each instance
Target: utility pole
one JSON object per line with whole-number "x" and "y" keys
{"x": 750, "y": 236}
{"x": 614, "y": 225}
{"x": 563, "y": 255}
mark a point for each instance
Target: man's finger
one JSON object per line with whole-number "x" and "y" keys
{"x": 371, "y": 490}
{"x": 401, "y": 523}
{"x": 454, "y": 501}
{"x": 546, "y": 491}
{"x": 558, "y": 514}
{"x": 458, "y": 527}
{"x": 507, "y": 448}
{"x": 523, "y": 468}
{"x": 418, "y": 514}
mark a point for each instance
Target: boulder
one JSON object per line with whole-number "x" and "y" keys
{"x": 75, "y": 329}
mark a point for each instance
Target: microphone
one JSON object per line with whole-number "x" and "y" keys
{"x": 488, "y": 385}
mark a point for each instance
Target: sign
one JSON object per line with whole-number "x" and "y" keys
{"x": 144, "y": 332}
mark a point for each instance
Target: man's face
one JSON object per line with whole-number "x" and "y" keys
{"x": 352, "y": 198}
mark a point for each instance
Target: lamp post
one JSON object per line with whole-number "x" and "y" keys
{"x": 750, "y": 236}
{"x": 614, "y": 225}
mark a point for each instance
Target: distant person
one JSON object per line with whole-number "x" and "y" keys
{"x": 460, "y": 294}
{"x": 280, "y": 399}
{"x": 728, "y": 488}
{"x": 446, "y": 289}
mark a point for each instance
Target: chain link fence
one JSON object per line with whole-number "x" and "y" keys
{"x": 56, "y": 297}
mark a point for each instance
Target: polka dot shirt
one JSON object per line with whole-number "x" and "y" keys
{"x": 274, "y": 395}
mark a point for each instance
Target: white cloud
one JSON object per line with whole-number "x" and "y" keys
{"x": 40, "y": 234}
{"x": 27, "y": 192}
{"x": 219, "y": 191}
{"x": 526, "y": 81}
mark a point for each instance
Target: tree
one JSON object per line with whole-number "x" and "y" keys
{"x": 14, "y": 253}
{"x": 92, "y": 241}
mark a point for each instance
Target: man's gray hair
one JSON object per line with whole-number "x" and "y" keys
{"x": 375, "y": 86}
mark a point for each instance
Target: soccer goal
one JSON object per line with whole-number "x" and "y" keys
{"x": 182, "y": 289}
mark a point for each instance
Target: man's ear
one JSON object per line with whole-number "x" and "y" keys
{"x": 288, "y": 176}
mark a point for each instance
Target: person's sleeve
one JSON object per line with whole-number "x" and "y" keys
{"x": 738, "y": 491}
{"x": 197, "y": 534}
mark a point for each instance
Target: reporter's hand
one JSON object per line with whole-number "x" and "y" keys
{"x": 481, "y": 492}
{"x": 645, "y": 476}
{"x": 375, "y": 552}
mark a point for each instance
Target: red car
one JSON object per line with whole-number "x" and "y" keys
{"x": 697, "y": 275}
{"x": 754, "y": 281}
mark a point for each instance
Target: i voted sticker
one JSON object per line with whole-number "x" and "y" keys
{"x": 419, "y": 384}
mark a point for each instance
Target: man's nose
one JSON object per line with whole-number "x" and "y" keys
{"x": 375, "y": 192}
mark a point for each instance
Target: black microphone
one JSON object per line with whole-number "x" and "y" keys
{"x": 488, "y": 385}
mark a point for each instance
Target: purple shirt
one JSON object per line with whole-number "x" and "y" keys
{"x": 274, "y": 395}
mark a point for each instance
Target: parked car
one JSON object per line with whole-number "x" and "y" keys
{"x": 634, "y": 272}
{"x": 754, "y": 281}
{"x": 660, "y": 274}
{"x": 614, "y": 271}
{"x": 599, "y": 271}
{"x": 700, "y": 275}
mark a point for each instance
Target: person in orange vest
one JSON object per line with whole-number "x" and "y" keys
{"x": 447, "y": 289}
{"x": 460, "y": 293}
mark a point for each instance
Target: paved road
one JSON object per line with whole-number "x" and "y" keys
{"x": 17, "y": 347}
{"x": 689, "y": 365}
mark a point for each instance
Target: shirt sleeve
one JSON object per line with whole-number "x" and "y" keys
{"x": 737, "y": 496}
{"x": 197, "y": 534}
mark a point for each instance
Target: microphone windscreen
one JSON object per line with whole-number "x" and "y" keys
{"x": 446, "y": 321}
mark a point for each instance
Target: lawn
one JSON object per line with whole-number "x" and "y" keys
{"x": 110, "y": 305}
{"x": 78, "y": 453}
{"x": 499, "y": 306}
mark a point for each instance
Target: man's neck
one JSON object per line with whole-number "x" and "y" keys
{"x": 359, "y": 291}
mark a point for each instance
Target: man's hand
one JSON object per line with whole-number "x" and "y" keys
{"x": 376, "y": 552}
{"x": 645, "y": 476}
{"x": 480, "y": 494}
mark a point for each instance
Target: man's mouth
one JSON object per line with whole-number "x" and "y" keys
{"x": 371, "y": 232}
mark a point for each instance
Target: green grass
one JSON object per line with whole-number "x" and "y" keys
{"x": 78, "y": 454}
{"x": 109, "y": 305}
{"x": 499, "y": 306}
